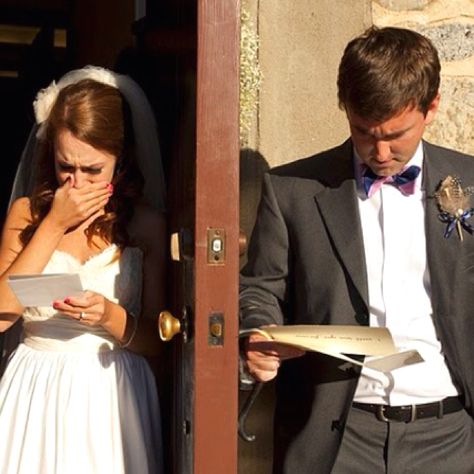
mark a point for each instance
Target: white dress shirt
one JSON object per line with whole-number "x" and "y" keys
{"x": 393, "y": 228}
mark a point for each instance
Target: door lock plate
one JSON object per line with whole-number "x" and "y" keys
{"x": 216, "y": 329}
{"x": 215, "y": 246}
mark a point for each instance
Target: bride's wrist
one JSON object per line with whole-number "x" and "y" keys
{"x": 53, "y": 225}
{"x": 107, "y": 316}
{"x": 119, "y": 322}
{"x": 130, "y": 330}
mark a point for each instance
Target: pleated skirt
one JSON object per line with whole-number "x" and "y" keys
{"x": 75, "y": 412}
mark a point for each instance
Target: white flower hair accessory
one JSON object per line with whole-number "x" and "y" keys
{"x": 44, "y": 102}
{"x": 147, "y": 147}
{"x": 46, "y": 98}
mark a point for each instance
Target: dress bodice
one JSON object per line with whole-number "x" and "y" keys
{"x": 119, "y": 279}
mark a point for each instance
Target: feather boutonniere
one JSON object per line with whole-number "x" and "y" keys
{"x": 454, "y": 203}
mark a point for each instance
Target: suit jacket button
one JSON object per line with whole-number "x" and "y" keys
{"x": 362, "y": 318}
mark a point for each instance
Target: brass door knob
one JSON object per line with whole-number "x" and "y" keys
{"x": 168, "y": 326}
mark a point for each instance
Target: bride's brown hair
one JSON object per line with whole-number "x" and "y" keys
{"x": 96, "y": 114}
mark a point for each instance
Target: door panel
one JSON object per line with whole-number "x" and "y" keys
{"x": 204, "y": 211}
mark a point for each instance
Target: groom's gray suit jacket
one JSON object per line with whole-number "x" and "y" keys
{"x": 306, "y": 266}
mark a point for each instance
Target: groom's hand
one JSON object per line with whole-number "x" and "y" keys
{"x": 263, "y": 357}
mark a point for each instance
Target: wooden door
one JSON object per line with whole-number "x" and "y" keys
{"x": 216, "y": 238}
{"x": 204, "y": 220}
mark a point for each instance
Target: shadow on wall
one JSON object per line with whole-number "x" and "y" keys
{"x": 254, "y": 457}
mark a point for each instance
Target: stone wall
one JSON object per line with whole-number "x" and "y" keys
{"x": 450, "y": 25}
{"x": 301, "y": 43}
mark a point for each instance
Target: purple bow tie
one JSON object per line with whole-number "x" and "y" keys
{"x": 405, "y": 181}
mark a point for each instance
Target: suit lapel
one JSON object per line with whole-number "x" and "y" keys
{"x": 442, "y": 253}
{"x": 337, "y": 203}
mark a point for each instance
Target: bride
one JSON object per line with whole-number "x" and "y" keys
{"x": 76, "y": 397}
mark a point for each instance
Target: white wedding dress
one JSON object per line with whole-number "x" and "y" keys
{"x": 71, "y": 400}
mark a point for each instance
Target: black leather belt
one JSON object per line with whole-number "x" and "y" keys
{"x": 409, "y": 413}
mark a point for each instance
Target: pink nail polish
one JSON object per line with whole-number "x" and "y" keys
{"x": 67, "y": 300}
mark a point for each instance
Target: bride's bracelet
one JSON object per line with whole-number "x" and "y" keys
{"x": 126, "y": 343}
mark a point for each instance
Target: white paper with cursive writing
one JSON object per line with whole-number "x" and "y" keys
{"x": 339, "y": 341}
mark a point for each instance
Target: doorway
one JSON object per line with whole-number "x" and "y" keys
{"x": 184, "y": 54}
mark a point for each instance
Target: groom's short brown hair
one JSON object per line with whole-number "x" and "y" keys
{"x": 386, "y": 70}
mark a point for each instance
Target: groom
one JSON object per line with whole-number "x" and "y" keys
{"x": 362, "y": 234}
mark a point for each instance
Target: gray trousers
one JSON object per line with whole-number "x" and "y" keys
{"x": 426, "y": 446}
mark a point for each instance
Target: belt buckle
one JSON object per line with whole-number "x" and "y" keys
{"x": 380, "y": 414}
